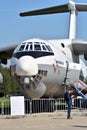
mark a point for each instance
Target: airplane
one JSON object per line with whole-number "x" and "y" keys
{"x": 43, "y": 68}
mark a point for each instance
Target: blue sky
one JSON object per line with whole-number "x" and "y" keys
{"x": 15, "y": 29}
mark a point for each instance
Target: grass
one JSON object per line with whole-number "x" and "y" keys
{"x": 60, "y": 103}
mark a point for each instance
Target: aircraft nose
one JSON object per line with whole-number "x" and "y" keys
{"x": 26, "y": 65}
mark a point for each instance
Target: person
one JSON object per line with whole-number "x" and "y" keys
{"x": 68, "y": 99}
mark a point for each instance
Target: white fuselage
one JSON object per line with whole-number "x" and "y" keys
{"x": 53, "y": 70}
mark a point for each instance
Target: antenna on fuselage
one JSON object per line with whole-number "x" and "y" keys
{"x": 71, "y": 7}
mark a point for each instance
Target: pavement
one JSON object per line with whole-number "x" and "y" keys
{"x": 45, "y": 121}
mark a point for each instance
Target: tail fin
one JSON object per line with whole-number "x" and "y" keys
{"x": 71, "y": 7}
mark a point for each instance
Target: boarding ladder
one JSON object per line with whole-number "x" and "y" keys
{"x": 67, "y": 69}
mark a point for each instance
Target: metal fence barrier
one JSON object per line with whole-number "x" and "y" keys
{"x": 44, "y": 105}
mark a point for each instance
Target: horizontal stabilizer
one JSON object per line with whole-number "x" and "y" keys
{"x": 57, "y": 9}
{"x": 79, "y": 46}
{"x": 50, "y": 10}
{"x": 81, "y": 7}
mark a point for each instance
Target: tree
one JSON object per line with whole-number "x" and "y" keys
{"x": 9, "y": 85}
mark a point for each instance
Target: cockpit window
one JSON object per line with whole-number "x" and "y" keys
{"x": 37, "y": 43}
{"x": 49, "y": 48}
{"x": 26, "y": 49}
{"x": 37, "y": 47}
{"x": 29, "y": 42}
{"x": 31, "y": 47}
{"x": 44, "y": 48}
{"x": 21, "y": 48}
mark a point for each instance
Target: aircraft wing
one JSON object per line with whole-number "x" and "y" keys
{"x": 6, "y": 53}
{"x": 79, "y": 47}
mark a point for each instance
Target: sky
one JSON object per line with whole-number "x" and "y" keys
{"x": 15, "y": 29}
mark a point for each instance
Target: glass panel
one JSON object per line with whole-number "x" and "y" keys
{"x": 43, "y": 47}
{"x": 31, "y": 47}
{"x": 26, "y": 49}
{"x": 21, "y": 48}
{"x": 36, "y": 43}
{"x": 49, "y": 48}
{"x": 29, "y": 42}
{"x": 37, "y": 47}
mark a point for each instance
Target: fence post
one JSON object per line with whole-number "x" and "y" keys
{"x": 80, "y": 103}
{"x": 56, "y": 104}
{"x": 2, "y": 108}
{"x": 30, "y": 106}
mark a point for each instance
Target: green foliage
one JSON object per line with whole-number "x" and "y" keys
{"x": 9, "y": 86}
{"x": 5, "y": 102}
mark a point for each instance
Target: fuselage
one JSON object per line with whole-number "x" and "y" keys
{"x": 41, "y": 67}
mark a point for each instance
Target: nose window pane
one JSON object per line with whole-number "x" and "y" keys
{"x": 31, "y": 47}
{"x": 37, "y": 47}
{"x": 21, "y": 48}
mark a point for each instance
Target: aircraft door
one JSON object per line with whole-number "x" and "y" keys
{"x": 72, "y": 73}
